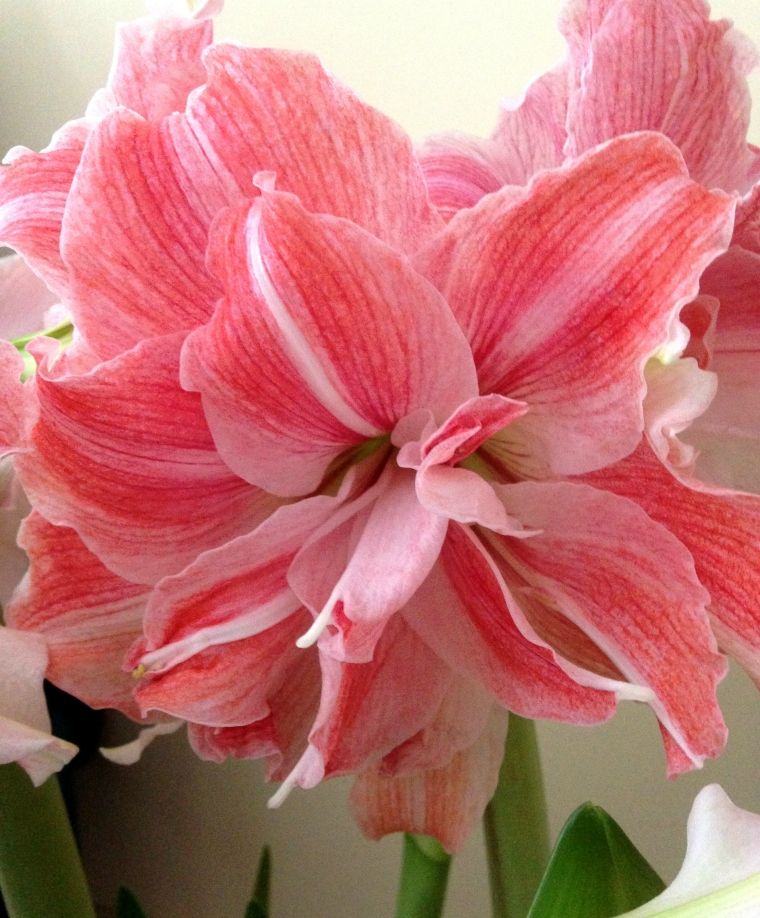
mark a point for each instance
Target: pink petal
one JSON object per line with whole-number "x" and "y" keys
{"x": 13, "y": 508}
{"x": 232, "y": 592}
{"x": 88, "y": 616}
{"x": 264, "y": 109}
{"x": 727, "y": 434}
{"x": 462, "y": 717}
{"x": 367, "y": 709}
{"x": 517, "y": 277}
{"x": 357, "y": 575}
{"x": 460, "y": 170}
{"x": 326, "y": 337}
{"x": 281, "y": 736}
{"x": 34, "y": 188}
{"x": 24, "y": 299}
{"x": 156, "y": 65}
{"x": 465, "y": 612}
{"x": 747, "y": 228}
{"x": 630, "y": 585}
{"x": 646, "y": 65}
{"x": 227, "y": 685}
{"x": 24, "y": 723}
{"x": 720, "y": 531}
{"x": 17, "y": 404}
{"x": 123, "y": 456}
{"x": 531, "y": 134}
{"x": 149, "y": 191}
{"x": 444, "y": 802}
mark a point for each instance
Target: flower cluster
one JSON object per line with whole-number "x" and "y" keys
{"x": 356, "y": 448}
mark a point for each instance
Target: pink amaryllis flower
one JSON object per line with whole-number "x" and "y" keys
{"x": 371, "y": 449}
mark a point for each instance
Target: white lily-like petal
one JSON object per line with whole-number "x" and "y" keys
{"x": 25, "y": 735}
{"x": 720, "y": 875}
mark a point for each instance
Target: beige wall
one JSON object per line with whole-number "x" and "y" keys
{"x": 184, "y": 834}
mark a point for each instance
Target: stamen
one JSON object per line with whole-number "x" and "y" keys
{"x": 318, "y": 625}
{"x": 282, "y": 793}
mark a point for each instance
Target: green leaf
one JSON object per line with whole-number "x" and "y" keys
{"x": 595, "y": 871}
{"x": 258, "y": 907}
{"x": 127, "y": 905}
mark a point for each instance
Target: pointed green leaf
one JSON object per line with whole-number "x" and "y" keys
{"x": 258, "y": 907}
{"x": 595, "y": 871}
{"x": 127, "y": 905}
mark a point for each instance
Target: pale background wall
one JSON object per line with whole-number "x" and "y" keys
{"x": 185, "y": 835}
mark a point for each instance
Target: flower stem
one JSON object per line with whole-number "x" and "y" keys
{"x": 424, "y": 873}
{"x": 41, "y": 875}
{"x": 517, "y": 835}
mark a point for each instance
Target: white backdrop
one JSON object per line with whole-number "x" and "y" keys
{"x": 184, "y": 834}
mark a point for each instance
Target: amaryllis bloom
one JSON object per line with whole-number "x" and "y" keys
{"x": 318, "y": 473}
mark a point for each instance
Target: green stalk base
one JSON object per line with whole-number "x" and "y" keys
{"x": 517, "y": 834}
{"x": 424, "y": 875}
{"x": 41, "y": 874}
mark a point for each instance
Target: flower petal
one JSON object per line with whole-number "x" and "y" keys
{"x": 326, "y": 338}
{"x": 517, "y": 276}
{"x": 124, "y": 456}
{"x": 719, "y": 530}
{"x": 150, "y": 190}
{"x": 367, "y": 709}
{"x": 444, "y": 802}
{"x": 24, "y": 299}
{"x": 722, "y": 854}
{"x": 727, "y": 434}
{"x": 356, "y": 576}
{"x": 24, "y": 723}
{"x": 464, "y": 611}
{"x": 226, "y": 685}
{"x": 630, "y": 585}
{"x": 88, "y": 616}
{"x": 647, "y": 65}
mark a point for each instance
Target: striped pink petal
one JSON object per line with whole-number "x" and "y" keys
{"x": 575, "y": 276}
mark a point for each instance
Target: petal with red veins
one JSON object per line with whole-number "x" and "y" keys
{"x": 232, "y": 592}
{"x": 587, "y": 271}
{"x": 355, "y": 576}
{"x": 630, "y": 585}
{"x": 24, "y": 299}
{"x": 157, "y": 64}
{"x": 368, "y": 709}
{"x": 646, "y": 65}
{"x": 281, "y": 736}
{"x": 17, "y": 403}
{"x": 24, "y": 723}
{"x": 747, "y": 228}
{"x": 326, "y": 337}
{"x": 226, "y": 685}
{"x": 727, "y": 435}
{"x": 460, "y": 170}
{"x": 444, "y": 802}
{"x": 123, "y": 455}
{"x": 148, "y": 191}
{"x": 531, "y": 134}
{"x": 280, "y": 110}
{"x": 34, "y": 188}
{"x": 460, "y": 721}
{"x": 465, "y": 612}
{"x": 88, "y": 616}
{"x": 720, "y": 531}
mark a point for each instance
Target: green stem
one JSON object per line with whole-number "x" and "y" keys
{"x": 517, "y": 835}
{"x": 41, "y": 875}
{"x": 424, "y": 873}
